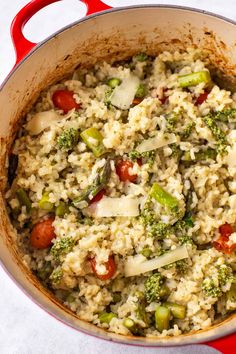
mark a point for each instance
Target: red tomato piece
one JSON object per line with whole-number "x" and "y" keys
{"x": 221, "y": 244}
{"x": 122, "y": 170}
{"x": 136, "y": 101}
{"x": 64, "y": 100}
{"x": 110, "y": 267}
{"x": 226, "y": 230}
{"x": 139, "y": 162}
{"x": 201, "y": 98}
{"x": 42, "y": 234}
{"x": 98, "y": 196}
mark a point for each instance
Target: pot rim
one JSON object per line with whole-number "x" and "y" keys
{"x": 120, "y": 338}
{"x": 116, "y": 9}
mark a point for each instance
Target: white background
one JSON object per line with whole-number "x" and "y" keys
{"x": 25, "y": 328}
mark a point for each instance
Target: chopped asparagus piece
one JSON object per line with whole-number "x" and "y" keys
{"x": 62, "y": 209}
{"x": 94, "y": 140}
{"x": 164, "y": 198}
{"x": 131, "y": 325}
{"x": 106, "y": 317}
{"x": 141, "y": 91}
{"x": 99, "y": 183}
{"x": 194, "y": 78}
{"x": 24, "y": 199}
{"x": 200, "y": 155}
{"x": 178, "y": 311}
{"x": 44, "y": 202}
{"x": 162, "y": 318}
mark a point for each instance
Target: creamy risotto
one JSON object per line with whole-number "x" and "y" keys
{"x": 122, "y": 194}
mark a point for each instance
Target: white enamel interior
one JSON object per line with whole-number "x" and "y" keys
{"x": 116, "y": 34}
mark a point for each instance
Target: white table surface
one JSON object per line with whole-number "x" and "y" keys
{"x": 24, "y": 327}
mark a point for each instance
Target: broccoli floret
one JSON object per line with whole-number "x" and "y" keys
{"x": 154, "y": 227}
{"x": 214, "y": 286}
{"x": 62, "y": 247}
{"x": 225, "y": 115}
{"x": 182, "y": 266}
{"x": 148, "y": 155}
{"x": 159, "y": 230}
{"x": 187, "y": 130}
{"x": 153, "y": 287}
{"x": 218, "y": 134}
{"x": 181, "y": 225}
{"x": 225, "y": 274}
{"x": 180, "y": 229}
{"x": 147, "y": 215}
{"x": 171, "y": 122}
{"x": 211, "y": 288}
{"x": 176, "y": 151}
{"x": 68, "y": 139}
{"x": 56, "y": 276}
{"x": 185, "y": 240}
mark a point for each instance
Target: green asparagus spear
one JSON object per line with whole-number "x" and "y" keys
{"x": 200, "y": 155}
{"x": 194, "y": 78}
{"x": 99, "y": 183}
{"x": 164, "y": 198}
{"x": 94, "y": 140}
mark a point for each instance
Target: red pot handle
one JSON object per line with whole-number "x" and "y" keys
{"x": 224, "y": 345}
{"x": 22, "y": 45}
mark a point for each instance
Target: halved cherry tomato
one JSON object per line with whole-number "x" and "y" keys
{"x": 201, "y": 98}
{"x": 42, "y": 234}
{"x": 122, "y": 170}
{"x": 110, "y": 267}
{"x": 98, "y": 196}
{"x": 64, "y": 100}
{"x": 136, "y": 101}
{"x": 226, "y": 230}
{"x": 221, "y": 244}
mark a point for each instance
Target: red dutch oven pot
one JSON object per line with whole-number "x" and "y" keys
{"x": 105, "y": 34}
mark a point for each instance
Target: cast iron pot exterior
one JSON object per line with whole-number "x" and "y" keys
{"x": 113, "y": 34}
